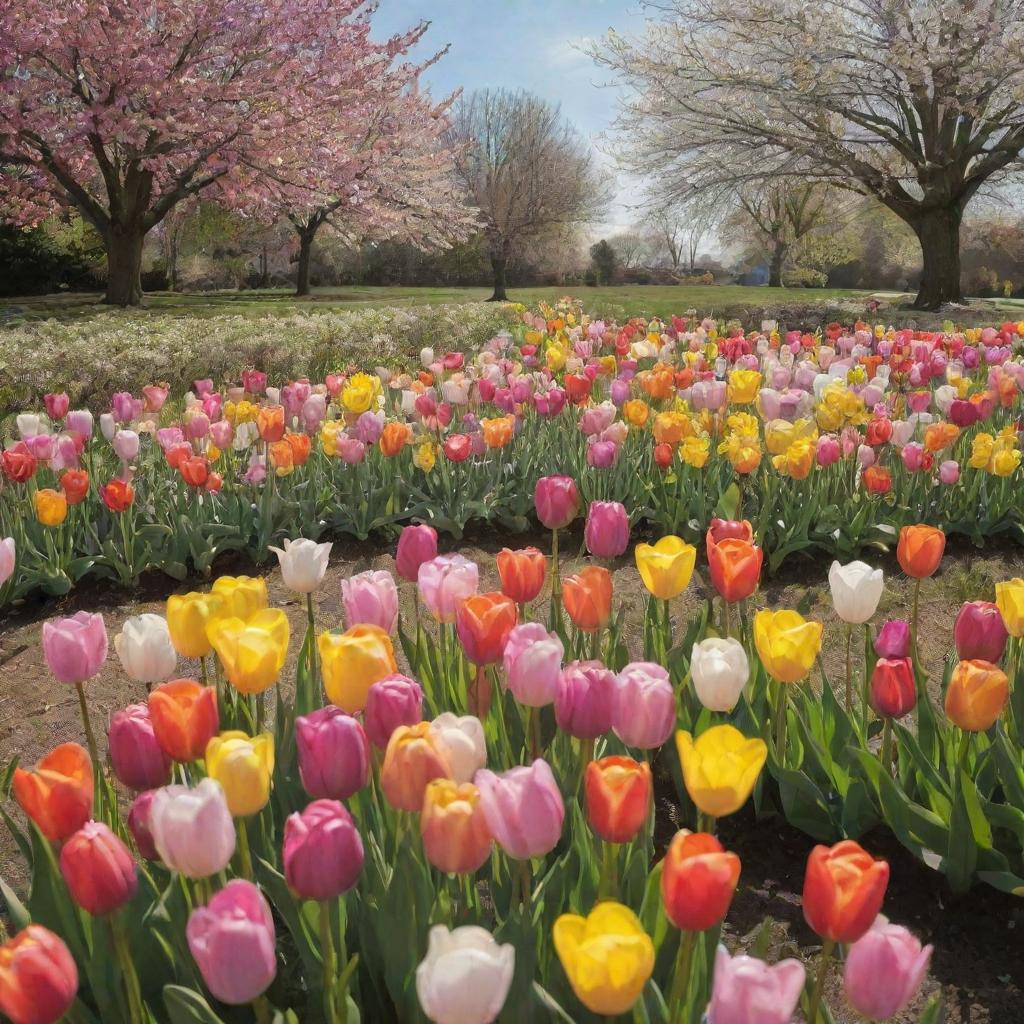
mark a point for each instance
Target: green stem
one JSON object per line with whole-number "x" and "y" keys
{"x": 680, "y": 976}
{"x": 887, "y": 745}
{"x": 327, "y": 955}
{"x": 556, "y": 585}
{"x": 311, "y": 620}
{"x": 595, "y": 645}
{"x": 261, "y": 1007}
{"x": 608, "y": 888}
{"x": 243, "y": 849}
{"x": 129, "y": 977}
{"x": 586, "y": 756}
{"x": 824, "y": 964}
{"x": 965, "y": 747}
{"x": 705, "y": 822}
{"x": 90, "y": 737}
{"x": 726, "y": 617}
{"x": 668, "y": 630}
{"x": 525, "y": 886}
{"x": 781, "y": 708}
{"x": 913, "y": 626}
{"x": 533, "y": 729}
{"x": 849, "y": 668}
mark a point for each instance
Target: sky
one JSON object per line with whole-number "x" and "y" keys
{"x": 533, "y": 45}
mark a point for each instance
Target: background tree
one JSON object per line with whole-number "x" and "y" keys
{"x": 525, "y": 168}
{"x": 913, "y": 102}
{"x": 605, "y": 262}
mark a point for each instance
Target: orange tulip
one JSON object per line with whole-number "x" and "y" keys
{"x": 587, "y": 597}
{"x": 843, "y": 890}
{"x": 618, "y": 791}
{"x": 413, "y": 759}
{"x": 483, "y": 622}
{"x": 301, "y": 445}
{"x": 920, "y": 549}
{"x": 455, "y": 835}
{"x": 733, "y": 559}
{"x": 394, "y": 438}
{"x": 270, "y": 423}
{"x": 184, "y": 716}
{"x": 672, "y": 427}
{"x": 57, "y": 793}
{"x": 522, "y": 573}
{"x": 498, "y": 432}
{"x": 977, "y": 694}
{"x": 75, "y": 485}
{"x": 698, "y": 878}
{"x": 118, "y": 495}
{"x": 658, "y": 382}
{"x": 194, "y": 471}
{"x": 636, "y": 411}
{"x": 938, "y": 436}
{"x": 282, "y": 458}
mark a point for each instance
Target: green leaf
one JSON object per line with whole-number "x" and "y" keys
{"x": 187, "y": 1007}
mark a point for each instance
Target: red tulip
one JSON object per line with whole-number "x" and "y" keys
{"x": 38, "y": 977}
{"x": 98, "y": 869}
{"x": 618, "y": 792}
{"x": 893, "y": 693}
{"x": 843, "y": 890}
{"x": 698, "y": 879}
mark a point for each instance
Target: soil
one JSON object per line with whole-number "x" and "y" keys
{"x": 978, "y": 939}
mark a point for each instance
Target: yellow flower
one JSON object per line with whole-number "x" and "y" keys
{"x": 744, "y": 386}
{"x": 188, "y": 615}
{"x": 636, "y": 411}
{"x": 744, "y": 457}
{"x": 787, "y": 644}
{"x": 253, "y": 650}
{"x": 352, "y": 662}
{"x": 425, "y": 456}
{"x": 745, "y": 426}
{"x": 608, "y": 366}
{"x": 240, "y": 412}
{"x": 243, "y": 595}
{"x": 329, "y": 433}
{"x": 555, "y": 357}
{"x": 1005, "y": 463}
{"x": 360, "y": 392}
{"x": 1010, "y": 601}
{"x": 671, "y": 427}
{"x": 982, "y": 448}
{"x": 51, "y": 506}
{"x": 694, "y": 451}
{"x": 607, "y": 957}
{"x": 720, "y": 768}
{"x": 666, "y": 567}
{"x": 213, "y": 453}
{"x": 797, "y": 460}
{"x": 243, "y": 766}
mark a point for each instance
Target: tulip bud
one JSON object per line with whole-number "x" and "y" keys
{"x": 643, "y": 705}
{"x": 920, "y": 550}
{"x": 618, "y": 797}
{"x": 856, "y": 591}
{"x": 98, "y": 869}
{"x": 138, "y": 824}
{"x": 243, "y": 766}
{"x": 192, "y": 828}
{"x": 323, "y": 852}
{"x": 698, "y": 879}
{"x": 532, "y": 661}
{"x": 464, "y": 744}
{"x": 334, "y": 753}
{"x": 1010, "y": 602}
{"x": 455, "y": 835}
{"x": 734, "y": 562}
{"x": 666, "y": 567}
{"x": 416, "y": 545}
{"x": 787, "y": 644}
{"x": 414, "y": 757}
{"x": 587, "y": 597}
{"x": 843, "y": 890}
{"x": 607, "y": 529}
{"x": 38, "y": 977}
{"x": 893, "y": 640}
{"x": 351, "y": 662}
{"x": 884, "y": 970}
{"x": 720, "y": 768}
{"x": 979, "y": 632}
{"x": 303, "y": 564}
{"x": 145, "y": 650}
{"x": 747, "y": 990}
{"x": 719, "y": 669}
{"x": 138, "y": 760}
{"x": 584, "y": 699}
{"x": 394, "y": 701}
{"x": 252, "y": 650}
{"x": 523, "y": 808}
{"x": 76, "y": 647}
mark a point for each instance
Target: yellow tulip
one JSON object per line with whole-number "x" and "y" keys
{"x": 666, "y": 567}
{"x": 352, "y": 662}
{"x": 329, "y": 434}
{"x": 787, "y": 643}
{"x": 51, "y": 507}
{"x": 1010, "y": 602}
{"x": 243, "y": 766}
{"x": 360, "y": 391}
{"x": 982, "y": 448}
{"x": 243, "y": 595}
{"x": 720, "y": 768}
{"x": 188, "y": 615}
{"x": 1005, "y": 463}
{"x": 556, "y": 357}
{"x": 672, "y": 427}
{"x": 636, "y": 411}
{"x": 743, "y": 386}
{"x": 253, "y": 650}
{"x": 425, "y": 456}
{"x": 695, "y": 451}
{"x": 606, "y": 955}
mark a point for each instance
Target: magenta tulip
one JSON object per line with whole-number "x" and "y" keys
{"x": 979, "y": 632}
{"x": 98, "y": 869}
{"x": 445, "y": 582}
{"x": 584, "y": 699}
{"x": 523, "y": 809}
{"x": 391, "y": 702}
{"x": 607, "y": 529}
{"x": 323, "y": 853}
{"x": 532, "y": 660}
{"x": 76, "y": 647}
{"x": 557, "y": 501}
{"x": 138, "y": 760}
{"x": 371, "y": 598}
{"x": 334, "y": 753}
{"x": 138, "y": 825}
{"x": 893, "y": 639}
{"x": 884, "y": 970}
{"x": 643, "y": 706}
{"x": 416, "y": 545}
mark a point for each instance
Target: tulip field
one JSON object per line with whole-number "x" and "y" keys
{"x": 538, "y": 779}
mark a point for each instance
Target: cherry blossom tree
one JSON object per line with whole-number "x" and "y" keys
{"x": 917, "y": 103}
{"x": 123, "y": 109}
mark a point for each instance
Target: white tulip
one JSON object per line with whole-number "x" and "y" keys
{"x": 719, "y": 669}
{"x": 465, "y": 976}
{"x": 303, "y": 564}
{"x": 192, "y": 828}
{"x": 108, "y": 428}
{"x": 463, "y": 739}
{"x": 273, "y": 396}
{"x": 145, "y": 650}
{"x": 30, "y": 424}
{"x": 856, "y": 591}
{"x": 426, "y": 357}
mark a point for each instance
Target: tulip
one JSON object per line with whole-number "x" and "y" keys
{"x": 144, "y": 648}
{"x": 643, "y": 705}
{"x": 465, "y": 976}
{"x": 334, "y": 753}
{"x": 720, "y": 768}
{"x": 394, "y": 701}
{"x": 352, "y": 662}
{"x": 1010, "y": 602}
{"x": 445, "y": 582}
{"x": 303, "y": 564}
{"x": 118, "y": 495}
{"x": 584, "y": 699}
{"x": 38, "y": 977}
{"x": 843, "y": 891}
{"x": 8, "y": 559}
{"x": 746, "y": 990}
{"x": 532, "y": 661}
{"x": 371, "y": 598}
{"x": 416, "y": 545}
{"x": 192, "y": 829}
{"x": 253, "y": 651}
{"x": 98, "y": 869}
{"x": 464, "y": 745}
{"x": 232, "y": 941}
{"x": 884, "y": 970}
{"x": 587, "y": 597}
{"x": 920, "y": 549}
{"x": 522, "y": 573}
{"x": 893, "y": 640}
{"x": 607, "y": 529}
{"x": 243, "y": 596}
{"x": 138, "y": 760}
{"x": 786, "y": 643}
{"x": 557, "y": 501}
{"x": 523, "y": 808}
{"x": 719, "y": 669}
{"x": 698, "y": 879}
{"x": 243, "y": 766}
{"x": 138, "y": 824}
{"x": 51, "y": 507}
{"x": 856, "y": 591}
{"x": 618, "y": 797}
{"x": 666, "y": 567}
{"x": 184, "y": 716}
{"x": 607, "y": 957}
{"x": 57, "y": 793}
{"x": 76, "y": 647}
{"x": 977, "y": 695}
{"x": 483, "y": 622}
{"x": 414, "y": 757}
{"x": 892, "y": 690}
{"x": 734, "y": 562}
{"x": 456, "y": 839}
{"x": 322, "y": 852}
{"x": 188, "y": 615}
{"x": 979, "y": 632}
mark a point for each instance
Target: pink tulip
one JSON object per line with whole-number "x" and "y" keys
{"x": 602, "y": 454}
{"x": 254, "y": 381}
{"x": 597, "y": 418}
{"x": 221, "y": 433}
{"x": 747, "y": 990}
{"x": 866, "y": 455}
{"x": 391, "y": 702}
{"x": 98, "y": 869}
{"x": 445, "y": 582}
{"x": 56, "y": 405}
{"x": 523, "y": 809}
{"x": 137, "y": 758}
{"x": 155, "y": 396}
{"x": 351, "y": 449}
{"x": 979, "y": 632}
{"x": 533, "y": 664}
{"x": 8, "y": 559}
{"x": 76, "y": 647}
{"x": 884, "y": 970}
{"x": 416, "y": 545}
{"x": 168, "y": 437}
{"x": 125, "y": 407}
{"x": 371, "y": 597}
{"x": 197, "y": 426}
{"x": 80, "y": 421}
{"x": 607, "y": 529}
{"x": 557, "y": 501}
{"x": 232, "y": 941}
{"x": 138, "y": 825}
{"x": 323, "y": 853}
{"x": 202, "y": 387}
{"x": 913, "y": 456}
{"x": 370, "y": 426}
{"x": 584, "y": 699}
{"x": 334, "y": 753}
{"x": 949, "y": 472}
{"x": 828, "y": 451}
{"x": 643, "y": 705}
{"x": 126, "y": 445}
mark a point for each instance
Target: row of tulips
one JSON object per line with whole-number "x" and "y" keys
{"x": 827, "y": 443}
{"x": 475, "y": 840}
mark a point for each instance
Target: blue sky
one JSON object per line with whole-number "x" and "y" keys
{"x": 524, "y": 44}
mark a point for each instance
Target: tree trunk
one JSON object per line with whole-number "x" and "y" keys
{"x": 498, "y": 264}
{"x": 939, "y": 234}
{"x": 264, "y": 281}
{"x": 124, "y": 265}
{"x": 306, "y": 236}
{"x": 172, "y": 260}
{"x": 775, "y": 267}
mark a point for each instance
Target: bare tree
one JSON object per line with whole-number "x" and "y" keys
{"x": 631, "y": 248}
{"x": 913, "y": 102}
{"x": 678, "y": 232}
{"x": 525, "y": 168}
